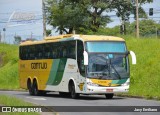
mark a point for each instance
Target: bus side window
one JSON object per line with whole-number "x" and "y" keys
{"x": 54, "y": 52}
{"x": 47, "y": 51}
{"x": 73, "y": 53}
{"x": 50, "y": 47}
{"x": 57, "y": 50}
{"x": 31, "y": 53}
{"x": 23, "y": 52}
{"x": 36, "y": 56}
{"x": 64, "y": 53}
{"x": 21, "y": 56}
{"x": 60, "y": 51}
{"x": 27, "y": 52}
{"x": 71, "y": 45}
{"x": 39, "y": 53}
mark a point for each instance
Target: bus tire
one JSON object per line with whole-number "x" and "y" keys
{"x": 29, "y": 87}
{"x": 36, "y": 92}
{"x": 109, "y": 96}
{"x": 73, "y": 93}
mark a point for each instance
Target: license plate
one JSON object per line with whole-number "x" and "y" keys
{"x": 109, "y": 90}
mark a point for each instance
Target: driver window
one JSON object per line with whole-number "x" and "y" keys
{"x": 80, "y": 58}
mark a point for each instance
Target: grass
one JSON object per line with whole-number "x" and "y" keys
{"x": 12, "y": 101}
{"x": 8, "y": 66}
{"x": 8, "y": 53}
{"x": 145, "y": 75}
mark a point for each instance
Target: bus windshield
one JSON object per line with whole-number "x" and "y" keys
{"x": 108, "y": 66}
{"x": 107, "y": 60}
{"x": 118, "y": 47}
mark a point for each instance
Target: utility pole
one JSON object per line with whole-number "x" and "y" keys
{"x": 44, "y": 19}
{"x": 137, "y": 20}
{"x": 156, "y": 32}
{"x": 4, "y": 35}
{"x": 31, "y": 35}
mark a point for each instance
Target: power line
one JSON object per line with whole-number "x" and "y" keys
{"x": 29, "y": 29}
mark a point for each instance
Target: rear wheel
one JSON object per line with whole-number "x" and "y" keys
{"x": 36, "y": 92}
{"x": 29, "y": 86}
{"x": 74, "y": 95}
{"x": 109, "y": 96}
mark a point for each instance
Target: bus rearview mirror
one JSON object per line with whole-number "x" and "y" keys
{"x": 133, "y": 55}
{"x": 85, "y": 54}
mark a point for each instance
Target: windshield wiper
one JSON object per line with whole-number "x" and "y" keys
{"x": 109, "y": 70}
{"x": 116, "y": 71}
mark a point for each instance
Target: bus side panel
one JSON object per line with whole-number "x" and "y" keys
{"x": 65, "y": 71}
{"x": 38, "y": 69}
{"x": 51, "y": 75}
{"x": 70, "y": 72}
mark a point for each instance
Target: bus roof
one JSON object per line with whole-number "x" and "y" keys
{"x": 100, "y": 38}
{"x": 68, "y": 37}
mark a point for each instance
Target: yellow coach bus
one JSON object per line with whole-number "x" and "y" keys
{"x": 75, "y": 64}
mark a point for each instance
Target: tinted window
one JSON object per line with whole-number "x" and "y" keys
{"x": 80, "y": 58}
{"x": 48, "y": 51}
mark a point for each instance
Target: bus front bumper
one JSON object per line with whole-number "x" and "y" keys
{"x": 105, "y": 90}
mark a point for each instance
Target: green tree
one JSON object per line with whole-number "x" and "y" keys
{"x": 17, "y": 39}
{"x": 67, "y": 15}
{"x": 48, "y": 32}
{"x": 80, "y": 15}
{"x": 98, "y": 12}
{"x": 123, "y": 10}
{"x": 87, "y": 16}
{"x": 147, "y": 27}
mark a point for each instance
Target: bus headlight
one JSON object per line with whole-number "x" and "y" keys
{"x": 92, "y": 84}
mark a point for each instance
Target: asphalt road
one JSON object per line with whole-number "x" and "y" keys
{"x": 53, "y": 99}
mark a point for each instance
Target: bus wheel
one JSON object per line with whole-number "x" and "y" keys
{"x": 74, "y": 95}
{"x": 109, "y": 96}
{"x": 29, "y": 86}
{"x": 36, "y": 92}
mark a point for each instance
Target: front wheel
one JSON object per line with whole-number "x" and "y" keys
{"x": 109, "y": 96}
{"x": 74, "y": 95}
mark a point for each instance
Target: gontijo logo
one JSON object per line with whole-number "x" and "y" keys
{"x": 39, "y": 65}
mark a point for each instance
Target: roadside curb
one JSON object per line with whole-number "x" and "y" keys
{"x": 138, "y": 97}
{"x": 13, "y": 90}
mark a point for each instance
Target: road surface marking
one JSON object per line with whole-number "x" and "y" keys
{"x": 37, "y": 98}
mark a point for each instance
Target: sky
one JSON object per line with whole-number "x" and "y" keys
{"x": 7, "y": 7}
{"x": 34, "y": 28}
